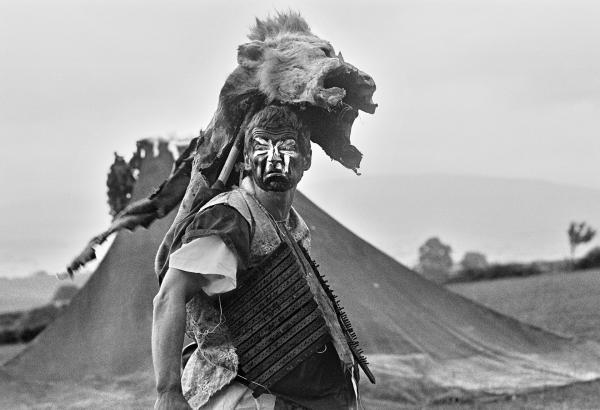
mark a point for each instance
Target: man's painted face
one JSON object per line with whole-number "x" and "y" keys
{"x": 275, "y": 159}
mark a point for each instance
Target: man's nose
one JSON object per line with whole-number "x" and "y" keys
{"x": 276, "y": 156}
{"x": 274, "y": 160}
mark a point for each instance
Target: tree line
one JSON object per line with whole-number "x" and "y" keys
{"x": 436, "y": 263}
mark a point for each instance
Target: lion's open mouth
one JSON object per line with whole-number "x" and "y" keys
{"x": 344, "y": 92}
{"x": 358, "y": 86}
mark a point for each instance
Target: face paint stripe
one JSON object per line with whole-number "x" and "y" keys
{"x": 286, "y": 164}
{"x": 270, "y": 152}
{"x": 261, "y": 140}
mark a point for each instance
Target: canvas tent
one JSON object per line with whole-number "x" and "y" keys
{"x": 424, "y": 342}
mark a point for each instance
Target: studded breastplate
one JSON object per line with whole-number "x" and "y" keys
{"x": 282, "y": 312}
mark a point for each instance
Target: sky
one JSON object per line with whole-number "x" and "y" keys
{"x": 490, "y": 88}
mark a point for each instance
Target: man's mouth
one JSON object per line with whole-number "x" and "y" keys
{"x": 275, "y": 176}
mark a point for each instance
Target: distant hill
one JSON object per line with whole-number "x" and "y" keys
{"x": 31, "y": 291}
{"x": 506, "y": 219}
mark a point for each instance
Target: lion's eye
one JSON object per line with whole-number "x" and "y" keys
{"x": 327, "y": 51}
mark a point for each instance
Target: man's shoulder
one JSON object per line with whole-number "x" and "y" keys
{"x": 232, "y": 195}
{"x": 234, "y": 198}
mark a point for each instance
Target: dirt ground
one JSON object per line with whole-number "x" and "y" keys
{"x": 121, "y": 393}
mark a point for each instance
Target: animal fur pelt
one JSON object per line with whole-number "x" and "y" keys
{"x": 285, "y": 64}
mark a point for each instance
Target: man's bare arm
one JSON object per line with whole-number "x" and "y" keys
{"x": 168, "y": 326}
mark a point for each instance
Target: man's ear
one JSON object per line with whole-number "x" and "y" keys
{"x": 251, "y": 54}
{"x": 247, "y": 162}
{"x": 308, "y": 160}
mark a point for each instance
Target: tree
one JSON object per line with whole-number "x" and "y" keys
{"x": 435, "y": 260}
{"x": 474, "y": 260}
{"x": 579, "y": 233}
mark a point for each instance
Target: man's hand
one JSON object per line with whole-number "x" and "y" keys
{"x": 171, "y": 400}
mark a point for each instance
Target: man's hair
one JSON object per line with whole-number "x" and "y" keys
{"x": 275, "y": 117}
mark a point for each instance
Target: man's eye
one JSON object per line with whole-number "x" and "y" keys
{"x": 288, "y": 146}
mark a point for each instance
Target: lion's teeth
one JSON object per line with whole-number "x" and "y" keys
{"x": 330, "y": 97}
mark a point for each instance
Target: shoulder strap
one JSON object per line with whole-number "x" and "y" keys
{"x": 247, "y": 213}
{"x": 237, "y": 200}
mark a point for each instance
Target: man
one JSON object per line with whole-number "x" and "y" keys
{"x": 231, "y": 241}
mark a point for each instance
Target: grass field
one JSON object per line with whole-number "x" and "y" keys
{"x": 566, "y": 303}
